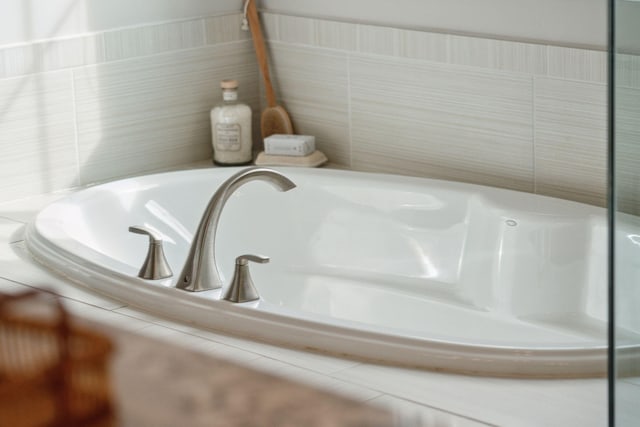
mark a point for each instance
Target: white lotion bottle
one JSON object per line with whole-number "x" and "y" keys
{"x": 231, "y": 134}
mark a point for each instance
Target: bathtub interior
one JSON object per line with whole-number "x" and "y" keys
{"x": 627, "y": 246}
{"x": 369, "y": 248}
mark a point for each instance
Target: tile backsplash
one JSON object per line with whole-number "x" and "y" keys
{"x": 122, "y": 102}
{"x": 523, "y": 116}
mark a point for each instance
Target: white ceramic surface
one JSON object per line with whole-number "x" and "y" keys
{"x": 394, "y": 269}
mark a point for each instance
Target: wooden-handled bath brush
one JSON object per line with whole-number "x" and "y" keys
{"x": 274, "y": 118}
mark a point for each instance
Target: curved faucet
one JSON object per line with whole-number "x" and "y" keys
{"x": 200, "y": 272}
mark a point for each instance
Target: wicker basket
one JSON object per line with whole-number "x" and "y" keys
{"x": 52, "y": 373}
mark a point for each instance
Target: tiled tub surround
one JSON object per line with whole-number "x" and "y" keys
{"x": 519, "y": 115}
{"x": 627, "y": 95}
{"x": 95, "y": 107}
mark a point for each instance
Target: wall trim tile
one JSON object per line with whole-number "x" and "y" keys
{"x": 225, "y": 29}
{"x": 402, "y": 43}
{"x": 112, "y": 45}
{"x": 577, "y": 64}
{"x": 499, "y": 55}
{"x": 627, "y": 71}
{"x": 153, "y": 39}
{"x": 51, "y": 55}
{"x": 480, "y": 52}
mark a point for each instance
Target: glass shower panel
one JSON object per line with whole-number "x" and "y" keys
{"x": 625, "y": 208}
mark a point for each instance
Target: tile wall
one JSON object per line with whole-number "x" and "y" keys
{"x": 627, "y": 99}
{"x": 523, "y": 116}
{"x": 96, "y": 107}
{"x": 517, "y": 115}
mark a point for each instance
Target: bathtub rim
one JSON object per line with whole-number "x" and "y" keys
{"x": 359, "y": 344}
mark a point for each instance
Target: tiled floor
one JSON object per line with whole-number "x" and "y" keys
{"x": 418, "y": 397}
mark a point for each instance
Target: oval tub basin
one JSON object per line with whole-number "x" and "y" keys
{"x": 390, "y": 269}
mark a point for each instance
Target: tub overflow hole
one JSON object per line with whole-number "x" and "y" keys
{"x": 511, "y": 222}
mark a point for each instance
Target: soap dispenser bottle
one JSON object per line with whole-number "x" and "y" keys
{"x": 231, "y": 128}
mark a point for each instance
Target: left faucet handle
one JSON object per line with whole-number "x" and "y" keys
{"x": 155, "y": 265}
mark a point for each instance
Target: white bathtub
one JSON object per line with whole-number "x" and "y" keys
{"x": 384, "y": 268}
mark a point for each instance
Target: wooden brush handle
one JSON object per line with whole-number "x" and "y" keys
{"x": 261, "y": 54}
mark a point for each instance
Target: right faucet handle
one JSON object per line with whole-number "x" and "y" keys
{"x": 241, "y": 288}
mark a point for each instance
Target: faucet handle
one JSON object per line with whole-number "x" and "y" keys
{"x": 244, "y": 259}
{"x": 154, "y": 238}
{"x": 155, "y": 266}
{"x": 242, "y": 288}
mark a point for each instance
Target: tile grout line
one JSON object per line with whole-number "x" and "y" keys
{"x": 205, "y": 33}
{"x": 349, "y": 109}
{"x": 103, "y": 48}
{"x": 435, "y": 408}
{"x": 534, "y": 134}
{"x": 76, "y": 137}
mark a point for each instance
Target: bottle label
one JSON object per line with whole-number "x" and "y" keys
{"x": 229, "y": 95}
{"x": 228, "y": 137}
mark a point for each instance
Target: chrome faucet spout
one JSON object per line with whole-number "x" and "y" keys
{"x": 200, "y": 272}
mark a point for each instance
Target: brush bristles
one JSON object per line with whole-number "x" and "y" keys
{"x": 275, "y": 120}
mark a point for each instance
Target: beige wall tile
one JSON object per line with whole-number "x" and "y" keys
{"x": 577, "y": 64}
{"x": 571, "y": 140}
{"x": 133, "y": 115}
{"x": 379, "y": 40}
{"x": 36, "y": 135}
{"x": 402, "y": 43}
{"x": 296, "y": 30}
{"x": 627, "y": 70}
{"x": 270, "y": 23}
{"x": 305, "y": 31}
{"x": 442, "y": 121}
{"x": 312, "y": 85}
{"x": 225, "y": 28}
{"x": 498, "y": 54}
{"x": 627, "y": 151}
{"x": 394, "y": 107}
{"x": 153, "y": 39}
{"x": 51, "y": 55}
{"x": 336, "y": 35}
{"x": 143, "y": 114}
